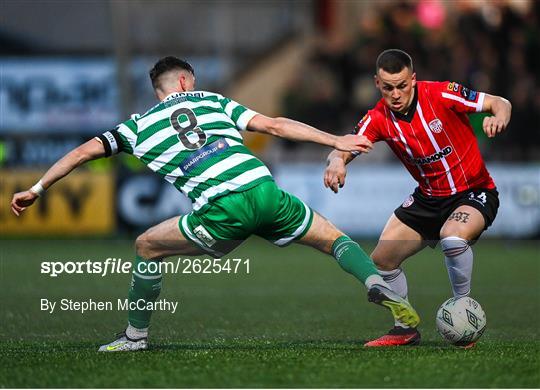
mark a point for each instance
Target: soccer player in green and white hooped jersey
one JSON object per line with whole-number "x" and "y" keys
{"x": 193, "y": 140}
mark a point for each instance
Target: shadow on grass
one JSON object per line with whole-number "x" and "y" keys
{"x": 38, "y": 347}
{"x": 308, "y": 345}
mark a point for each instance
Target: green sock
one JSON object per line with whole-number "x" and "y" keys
{"x": 145, "y": 286}
{"x": 355, "y": 261}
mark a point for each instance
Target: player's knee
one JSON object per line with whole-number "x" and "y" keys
{"x": 448, "y": 231}
{"x": 453, "y": 231}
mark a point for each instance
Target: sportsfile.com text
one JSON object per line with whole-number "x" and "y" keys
{"x": 113, "y": 265}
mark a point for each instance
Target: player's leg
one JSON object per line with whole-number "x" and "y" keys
{"x": 397, "y": 242}
{"x": 290, "y": 219}
{"x": 325, "y": 237}
{"x": 158, "y": 242}
{"x": 470, "y": 216}
{"x": 463, "y": 225}
{"x": 413, "y": 226}
{"x": 285, "y": 219}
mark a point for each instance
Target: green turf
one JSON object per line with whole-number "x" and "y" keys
{"x": 295, "y": 321}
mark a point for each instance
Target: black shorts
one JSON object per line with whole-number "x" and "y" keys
{"x": 427, "y": 214}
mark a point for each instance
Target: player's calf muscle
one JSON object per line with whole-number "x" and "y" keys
{"x": 144, "y": 248}
{"x": 384, "y": 263}
{"x": 387, "y": 256}
{"x": 321, "y": 235}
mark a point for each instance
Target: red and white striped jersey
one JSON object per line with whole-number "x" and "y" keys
{"x": 435, "y": 140}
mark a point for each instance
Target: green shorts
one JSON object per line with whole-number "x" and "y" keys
{"x": 264, "y": 210}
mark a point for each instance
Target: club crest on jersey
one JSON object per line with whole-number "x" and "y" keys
{"x": 408, "y": 202}
{"x": 436, "y": 125}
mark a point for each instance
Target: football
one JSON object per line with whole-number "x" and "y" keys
{"x": 461, "y": 321}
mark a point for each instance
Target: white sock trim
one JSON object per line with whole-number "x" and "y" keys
{"x": 390, "y": 276}
{"x": 454, "y": 246}
{"x": 389, "y": 273}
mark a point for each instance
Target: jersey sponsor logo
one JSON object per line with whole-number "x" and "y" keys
{"x": 453, "y": 87}
{"x": 436, "y": 125}
{"x": 468, "y": 94}
{"x": 432, "y": 158}
{"x": 408, "y": 202}
{"x": 203, "y": 154}
{"x": 203, "y": 235}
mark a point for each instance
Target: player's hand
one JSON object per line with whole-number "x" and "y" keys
{"x": 21, "y": 200}
{"x": 493, "y": 126}
{"x": 334, "y": 175}
{"x": 353, "y": 143}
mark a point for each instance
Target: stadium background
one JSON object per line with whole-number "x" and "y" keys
{"x": 66, "y": 79}
{"x": 71, "y": 70}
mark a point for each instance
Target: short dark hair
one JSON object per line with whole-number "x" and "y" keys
{"x": 393, "y": 61}
{"x": 166, "y": 64}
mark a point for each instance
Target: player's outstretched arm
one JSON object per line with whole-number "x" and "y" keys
{"x": 501, "y": 110}
{"x": 88, "y": 151}
{"x": 298, "y": 131}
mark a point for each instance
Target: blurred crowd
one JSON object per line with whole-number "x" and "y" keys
{"x": 492, "y": 47}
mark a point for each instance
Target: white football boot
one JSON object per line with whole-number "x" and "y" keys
{"x": 124, "y": 343}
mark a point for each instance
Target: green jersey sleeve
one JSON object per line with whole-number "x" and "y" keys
{"x": 238, "y": 113}
{"x": 121, "y": 139}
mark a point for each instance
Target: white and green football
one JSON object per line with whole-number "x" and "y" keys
{"x": 461, "y": 321}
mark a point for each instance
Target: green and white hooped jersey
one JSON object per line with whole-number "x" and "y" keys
{"x": 192, "y": 139}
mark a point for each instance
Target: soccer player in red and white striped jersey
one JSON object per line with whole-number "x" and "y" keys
{"x": 426, "y": 125}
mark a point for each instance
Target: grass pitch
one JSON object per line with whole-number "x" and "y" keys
{"x": 296, "y": 320}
